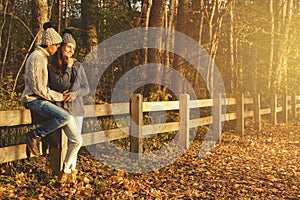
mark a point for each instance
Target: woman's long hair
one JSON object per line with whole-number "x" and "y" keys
{"x": 57, "y": 62}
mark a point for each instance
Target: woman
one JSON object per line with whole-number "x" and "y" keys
{"x": 68, "y": 76}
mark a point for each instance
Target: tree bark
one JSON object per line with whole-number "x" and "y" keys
{"x": 169, "y": 45}
{"x": 216, "y": 11}
{"x": 198, "y": 18}
{"x": 6, "y": 50}
{"x": 1, "y": 31}
{"x": 89, "y": 16}
{"x": 40, "y": 15}
{"x": 181, "y": 26}
{"x": 144, "y": 22}
{"x": 279, "y": 72}
{"x": 285, "y": 45}
{"x": 59, "y": 16}
{"x": 272, "y": 43}
{"x": 233, "y": 77}
{"x": 155, "y": 55}
{"x": 67, "y": 13}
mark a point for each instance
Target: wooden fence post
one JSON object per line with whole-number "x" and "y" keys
{"x": 294, "y": 108}
{"x": 136, "y": 123}
{"x": 184, "y": 116}
{"x": 273, "y": 109}
{"x": 57, "y": 156}
{"x": 257, "y": 115}
{"x": 240, "y": 115}
{"x": 217, "y": 117}
{"x": 285, "y": 108}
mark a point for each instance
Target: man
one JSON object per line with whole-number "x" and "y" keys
{"x": 37, "y": 96}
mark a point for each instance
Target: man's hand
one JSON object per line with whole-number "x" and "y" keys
{"x": 71, "y": 96}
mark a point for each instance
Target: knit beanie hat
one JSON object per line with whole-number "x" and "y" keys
{"x": 50, "y": 36}
{"x": 68, "y": 38}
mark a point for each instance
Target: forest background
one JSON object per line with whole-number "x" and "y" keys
{"x": 254, "y": 44}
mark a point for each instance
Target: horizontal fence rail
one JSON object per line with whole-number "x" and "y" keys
{"x": 136, "y": 108}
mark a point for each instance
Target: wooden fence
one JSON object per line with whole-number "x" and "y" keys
{"x": 243, "y": 108}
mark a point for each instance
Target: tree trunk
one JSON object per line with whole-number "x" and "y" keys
{"x": 233, "y": 77}
{"x": 282, "y": 40}
{"x": 277, "y": 45}
{"x": 6, "y": 49}
{"x": 55, "y": 14}
{"x": 67, "y": 13}
{"x": 199, "y": 20}
{"x": 144, "y": 22}
{"x": 156, "y": 20}
{"x": 155, "y": 55}
{"x": 3, "y": 22}
{"x": 216, "y": 14}
{"x": 40, "y": 15}
{"x": 59, "y": 16}
{"x": 272, "y": 43}
{"x": 181, "y": 26}
{"x": 89, "y": 16}
{"x": 145, "y": 13}
{"x": 1, "y": 31}
{"x": 285, "y": 45}
{"x": 169, "y": 45}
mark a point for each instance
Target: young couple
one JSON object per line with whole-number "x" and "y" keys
{"x": 54, "y": 90}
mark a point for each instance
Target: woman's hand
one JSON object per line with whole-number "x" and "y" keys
{"x": 65, "y": 96}
{"x": 71, "y": 96}
{"x": 70, "y": 61}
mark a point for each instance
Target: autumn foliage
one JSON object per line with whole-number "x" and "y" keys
{"x": 257, "y": 165}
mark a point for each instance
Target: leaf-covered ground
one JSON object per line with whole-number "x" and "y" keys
{"x": 258, "y": 165}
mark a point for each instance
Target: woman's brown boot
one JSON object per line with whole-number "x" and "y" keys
{"x": 62, "y": 179}
{"x": 72, "y": 178}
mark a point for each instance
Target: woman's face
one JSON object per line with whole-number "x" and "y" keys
{"x": 68, "y": 50}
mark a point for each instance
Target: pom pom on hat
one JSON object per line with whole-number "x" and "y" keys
{"x": 68, "y": 38}
{"x": 50, "y": 36}
{"x": 47, "y": 25}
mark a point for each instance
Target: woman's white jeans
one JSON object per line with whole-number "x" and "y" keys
{"x": 73, "y": 132}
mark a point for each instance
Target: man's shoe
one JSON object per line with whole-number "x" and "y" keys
{"x": 33, "y": 143}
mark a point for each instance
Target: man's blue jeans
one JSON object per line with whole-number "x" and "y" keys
{"x": 57, "y": 117}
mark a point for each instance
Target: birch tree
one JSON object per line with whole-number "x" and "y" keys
{"x": 214, "y": 13}
{"x": 283, "y": 43}
{"x": 232, "y": 46}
